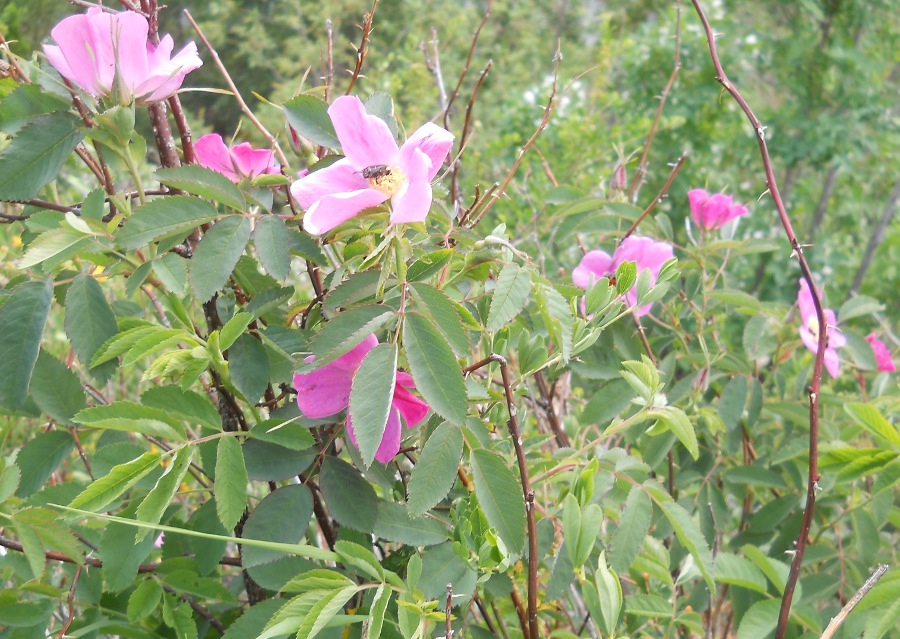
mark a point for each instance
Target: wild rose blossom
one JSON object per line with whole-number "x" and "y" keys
{"x": 809, "y": 330}
{"x": 373, "y": 170}
{"x": 239, "y": 162}
{"x": 647, "y": 254}
{"x": 326, "y": 391}
{"x": 713, "y": 211}
{"x": 109, "y": 55}
{"x": 882, "y": 354}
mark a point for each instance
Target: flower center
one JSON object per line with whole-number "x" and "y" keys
{"x": 812, "y": 325}
{"x": 385, "y": 178}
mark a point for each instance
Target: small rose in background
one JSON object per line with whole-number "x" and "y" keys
{"x": 882, "y": 354}
{"x": 713, "y": 211}
{"x": 647, "y": 254}
{"x": 373, "y": 170}
{"x": 809, "y": 330}
{"x": 326, "y": 391}
{"x": 109, "y": 56}
{"x": 239, "y": 162}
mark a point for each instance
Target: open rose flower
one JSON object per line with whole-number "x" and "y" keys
{"x": 237, "y": 163}
{"x": 647, "y": 254}
{"x": 373, "y": 170}
{"x": 809, "y": 330}
{"x": 713, "y": 211}
{"x": 326, "y": 391}
{"x": 109, "y": 55}
{"x": 882, "y": 354}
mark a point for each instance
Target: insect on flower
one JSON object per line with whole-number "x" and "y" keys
{"x": 376, "y": 171}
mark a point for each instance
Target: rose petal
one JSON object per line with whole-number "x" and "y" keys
{"x": 434, "y": 141}
{"x": 339, "y": 177}
{"x": 593, "y": 266}
{"x": 326, "y": 391}
{"x": 251, "y": 162}
{"x": 212, "y": 153}
{"x": 365, "y": 139}
{"x": 133, "y": 66}
{"x": 411, "y": 407}
{"x": 832, "y": 362}
{"x": 333, "y": 210}
{"x": 413, "y": 203}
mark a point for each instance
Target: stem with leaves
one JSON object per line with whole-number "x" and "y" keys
{"x": 824, "y": 329}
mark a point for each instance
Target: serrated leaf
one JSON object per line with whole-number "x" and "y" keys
{"x": 345, "y": 331}
{"x": 435, "y": 472}
{"x": 557, "y": 317}
{"x": 10, "y": 476}
{"x": 324, "y": 611}
{"x": 144, "y": 600}
{"x": 173, "y": 215}
{"x": 500, "y": 497}
{"x": 56, "y": 389}
{"x": 443, "y": 312}
{"x": 738, "y": 571}
{"x": 270, "y": 236}
{"x": 22, "y": 319}
{"x": 122, "y": 342}
{"x": 233, "y": 329}
{"x": 760, "y": 620}
{"x": 376, "y": 612}
{"x": 281, "y": 517}
{"x": 132, "y": 417}
{"x": 434, "y": 368}
{"x": 39, "y": 458}
{"x": 248, "y": 364}
{"x": 160, "y": 496}
{"x": 155, "y": 342}
{"x": 36, "y": 154}
{"x": 351, "y": 499}
{"x": 308, "y": 116}
{"x": 677, "y": 422}
{"x": 217, "y": 254}
{"x": 759, "y": 337}
{"x": 122, "y": 477}
{"x": 231, "y": 482}
{"x": 395, "y": 524}
{"x": 509, "y": 296}
{"x": 361, "y": 558}
{"x": 308, "y": 248}
{"x": 371, "y": 396}
{"x": 859, "y": 306}
{"x": 204, "y": 182}
{"x": 318, "y": 579}
{"x": 89, "y": 322}
{"x": 633, "y": 526}
{"x": 873, "y": 421}
{"x": 53, "y": 247}
{"x": 690, "y": 536}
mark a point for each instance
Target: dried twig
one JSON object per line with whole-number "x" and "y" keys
{"x": 665, "y": 189}
{"x": 363, "y": 46}
{"x": 854, "y": 601}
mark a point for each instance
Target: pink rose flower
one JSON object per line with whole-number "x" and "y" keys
{"x": 239, "y": 162}
{"x": 713, "y": 211}
{"x": 882, "y": 354}
{"x": 647, "y": 254}
{"x": 326, "y": 391}
{"x": 809, "y": 330}
{"x": 109, "y": 55}
{"x": 373, "y": 170}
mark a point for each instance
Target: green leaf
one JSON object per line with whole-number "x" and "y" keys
{"x": 760, "y": 620}
{"x": 308, "y": 116}
{"x": 56, "y": 390}
{"x": 435, "y": 472}
{"x": 204, "y": 182}
{"x": 690, "y": 536}
{"x": 677, "y": 422}
{"x": 324, "y": 611}
{"x": 170, "y": 216}
{"x": 759, "y": 337}
{"x": 159, "y": 498}
{"x": 859, "y": 306}
{"x": 155, "y": 342}
{"x": 171, "y": 270}
{"x": 354, "y": 289}
{"x": 434, "y": 368}
{"x": 248, "y": 365}
{"x": 731, "y": 404}
{"x": 626, "y": 275}
{"x": 739, "y": 571}
{"x": 351, "y": 499}
{"x": 273, "y": 462}
{"x": 633, "y": 526}
{"x": 509, "y": 296}
{"x": 39, "y": 458}
{"x": 89, "y": 322}
{"x": 282, "y": 516}
{"x": 438, "y": 307}
{"x": 144, "y": 600}
{"x": 122, "y": 477}
{"x": 10, "y": 476}
{"x": 740, "y": 299}
{"x": 54, "y": 247}
{"x": 345, "y": 331}
{"x": 395, "y": 524}
{"x": 580, "y": 529}
{"x": 557, "y": 317}
{"x": 377, "y": 610}
{"x": 306, "y": 247}
{"x": 609, "y": 594}
{"x": 371, "y": 396}
{"x": 36, "y": 154}
{"x": 318, "y": 579}
{"x": 873, "y": 421}
{"x": 26, "y": 614}
{"x": 22, "y": 319}
{"x": 132, "y": 417}
{"x": 270, "y": 236}
{"x": 122, "y": 342}
{"x": 363, "y": 559}
{"x": 233, "y": 329}
{"x": 217, "y": 254}
{"x": 500, "y": 497}
{"x": 25, "y": 101}
{"x": 231, "y": 482}
{"x": 880, "y": 621}
{"x": 184, "y": 404}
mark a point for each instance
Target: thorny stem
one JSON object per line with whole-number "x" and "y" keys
{"x": 641, "y": 171}
{"x": 448, "y": 631}
{"x": 516, "y": 435}
{"x": 363, "y": 46}
{"x": 824, "y": 329}
{"x": 70, "y": 603}
{"x": 464, "y": 136}
{"x": 662, "y": 193}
